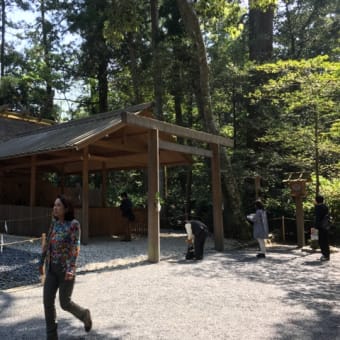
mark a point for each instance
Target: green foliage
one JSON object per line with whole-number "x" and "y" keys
{"x": 306, "y": 29}
{"x": 305, "y": 96}
{"x": 292, "y": 113}
{"x": 262, "y": 4}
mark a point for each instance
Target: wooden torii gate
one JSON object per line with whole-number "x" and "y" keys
{"x": 297, "y": 183}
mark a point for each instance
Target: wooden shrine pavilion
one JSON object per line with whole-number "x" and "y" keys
{"x": 122, "y": 139}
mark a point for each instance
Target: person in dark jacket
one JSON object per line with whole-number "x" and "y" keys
{"x": 127, "y": 213}
{"x": 321, "y": 223}
{"x": 197, "y": 233}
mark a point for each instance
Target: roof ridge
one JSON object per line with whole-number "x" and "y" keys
{"x": 84, "y": 120}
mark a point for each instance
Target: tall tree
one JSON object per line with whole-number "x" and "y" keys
{"x": 307, "y": 28}
{"x": 6, "y": 6}
{"x": 129, "y": 35}
{"x": 157, "y": 69}
{"x": 88, "y": 18}
{"x": 304, "y": 94}
{"x": 261, "y": 15}
{"x": 192, "y": 26}
{"x": 3, "y": 39}
{"x": 34, "y": 61}
{"x": 46, "y": 30}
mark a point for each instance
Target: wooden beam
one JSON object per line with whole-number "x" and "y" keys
{"x": 43, "y": 163}
{"x": 153, "y": 196}
{"x": 217, "y": 198}
{"x": 115, "y": 145}
{"x": 163, "y": 145}
{"x": 98, "y": 136}
{"x": 120, "y": 159}
{"x": 85, "y": 199}
{"x": 176, "y": 130}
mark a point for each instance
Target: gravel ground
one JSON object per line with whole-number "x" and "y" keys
{"x": 229, "y": 295}
{"x": 19, "y": 260}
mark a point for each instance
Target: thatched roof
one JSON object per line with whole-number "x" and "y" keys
{"x": 12, "y": 124}
{"x": 118, "y": 139}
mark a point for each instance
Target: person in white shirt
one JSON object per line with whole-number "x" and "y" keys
{"x": 197, "y": 233}
{"x": 260, "y": 227}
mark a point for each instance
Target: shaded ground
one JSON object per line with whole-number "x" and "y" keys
{"x": 230, "y": 295}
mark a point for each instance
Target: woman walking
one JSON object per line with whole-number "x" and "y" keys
{"x": 260, "y": 227}
{"x": 59, "y": 256}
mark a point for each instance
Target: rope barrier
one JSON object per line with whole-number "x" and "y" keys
{"x": 24, "y": 241}
{"x": 25, "y": 219}
{"x": 6, "y": 221}
{"x": 286, "y": 218}
{"x": 31, "y": 240}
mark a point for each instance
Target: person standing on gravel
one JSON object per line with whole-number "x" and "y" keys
{"x": 127, "y": 213}
{"x": 58, "y": 261}
{"x": 260, "y": 227}
{"x": 322, "y": 224}
{"x": 197, "y": 233}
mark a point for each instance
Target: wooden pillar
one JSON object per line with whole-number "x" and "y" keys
{"x": 217, "y": 197}
{"x": 33, "y": 188}
{"x": 85, "y": 199}
{"x": 300, "y": 228}
{"x": 33, "y": 182}
{"x": 104, "y": 185}
{"x": 298, "y": 191}
{"x": 153, "y": 196}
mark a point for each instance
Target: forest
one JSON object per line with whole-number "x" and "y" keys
{"x": 265, "y": 73}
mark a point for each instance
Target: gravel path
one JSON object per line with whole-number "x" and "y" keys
{"x": 230, "y": 295}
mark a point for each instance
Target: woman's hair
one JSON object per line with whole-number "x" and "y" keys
{"x": 259, "y": 204}
{"x": 69, "y": 210}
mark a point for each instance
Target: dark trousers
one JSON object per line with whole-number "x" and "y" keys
{"x": 324, "y": 242}
{"x": 199, "y": 244}
{"x": 127, "y": 229}
{"x": 55, "y": 279}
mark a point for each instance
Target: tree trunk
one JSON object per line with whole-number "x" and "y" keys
{"x": 236, "y": 224}
{"x": 316, "y": 146}
{"x": 47, "y": 107}
{"x": 260, "y": 32}
{"x": 291, "y": 50}
{"x": 157, "y": 70}
{"x": 102, "y": 86}
{"x": 3, "y": 33}
{"x": 134, "y": 69}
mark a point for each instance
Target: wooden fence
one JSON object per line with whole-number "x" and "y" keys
{"x": 33, "y": 221}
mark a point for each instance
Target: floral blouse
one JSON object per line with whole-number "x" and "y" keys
{"x": 62, "y": 245}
